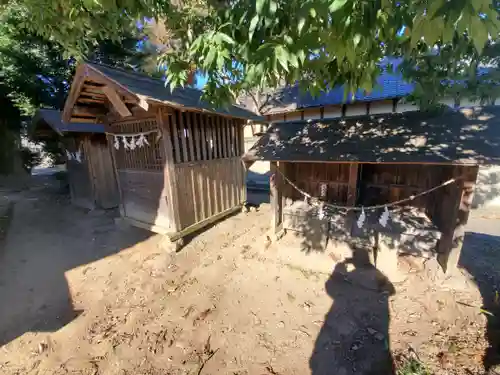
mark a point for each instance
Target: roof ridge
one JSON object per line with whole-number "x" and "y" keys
{"x": 138, "y": 74}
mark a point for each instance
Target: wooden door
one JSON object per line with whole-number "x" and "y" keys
{"x": 79, "y": 176}
{"x": 105, "y": 187}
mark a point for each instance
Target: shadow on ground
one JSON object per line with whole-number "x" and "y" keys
{"x": 354, "y": 338}
{"x": 481, "y": 259}
{"x": 48, "y": 237}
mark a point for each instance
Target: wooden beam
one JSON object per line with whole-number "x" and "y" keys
{"x": 82, "y": 99}
{"x": 276, "y": 201}
{"x": 452, "y": 237}
{"x": 143, "y": 103}
{"x": 353, "y": 181}
{"x": 87, "y": 111}
{"x": 85, "y": 120}
{"x": 116, "y": 101}
{"x": 170, "y": 178}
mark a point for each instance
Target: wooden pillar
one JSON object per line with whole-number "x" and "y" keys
{"x": 169, "y": 175}
{"x": 276, "y": 193}
{"x": 452, "y": 237}
{"x": 353, "y": 182}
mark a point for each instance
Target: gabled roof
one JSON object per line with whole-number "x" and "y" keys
{"x": 53, "y": 118}
{"x": 141, "y": 90}
{"x": 467, "y": 137}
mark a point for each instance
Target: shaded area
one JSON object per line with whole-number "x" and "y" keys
{"x": 358, "y": 319}
{"x": 469, "y": 137}
{"x": 481, "y": 259}
{"x": 48, "y": 237}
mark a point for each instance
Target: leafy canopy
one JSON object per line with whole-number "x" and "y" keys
{"x": 245, "y": 45}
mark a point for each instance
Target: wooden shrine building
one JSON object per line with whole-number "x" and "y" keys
{"x": 176, "y": 158}
{"x": 89, "y": 165}
{"x": 375, "y": 160}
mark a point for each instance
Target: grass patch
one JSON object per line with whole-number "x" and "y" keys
{"x": 412, "y": 366}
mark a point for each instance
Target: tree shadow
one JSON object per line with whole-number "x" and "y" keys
{"x": 354, "y": 338}
{"x": 481, "y": 258}
{"x": 47, "y": 238}
{"x": 487, "y": 187}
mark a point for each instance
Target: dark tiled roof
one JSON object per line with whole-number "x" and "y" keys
{"x": 155, "y": 89}
{"x": 422, "y": 137}
{"x": 53, "y": 118}
{"x": 388, "y": 86}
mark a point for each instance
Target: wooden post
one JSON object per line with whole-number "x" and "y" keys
{"x": 452, "y": 237}
{"x": 169, "y": 175}
{"x": 276, "y": 200}
{"x": 353, "y": 182}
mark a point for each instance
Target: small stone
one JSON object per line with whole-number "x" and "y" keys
{"x": 371, "y": 331}
{"x": 281, "y": 324}
{"x": 379, "y": 336}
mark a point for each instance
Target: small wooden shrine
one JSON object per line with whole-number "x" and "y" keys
{"x": 427, "y": 160}
{"x": 89, "y": 165}
{"x": 176, "y": 158}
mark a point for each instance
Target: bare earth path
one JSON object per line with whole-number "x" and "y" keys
{"x": 80, "y": 296}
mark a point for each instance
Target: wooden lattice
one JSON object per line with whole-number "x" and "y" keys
{"x": 197, "y": 137}
{"x": 141, "y": 158}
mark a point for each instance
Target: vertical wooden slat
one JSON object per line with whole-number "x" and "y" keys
{"x": 203, "y": 192}
{"x": 214, "y": 189}
{"x": 197, "y": 136}
{"x": 233, "y": 137}
{"x": 170, "y": 177}
{"x": 175, "y": 136}
{"x": 276, "y": 201}
{"x": 218, "y": 126}
{"x": 228, "y": 137}
{"x": 189, "y": 127}
{"x": 183, "y": 134}
{"x": 353, "y": 181}
{"x": 209, "y": 134}
{"x": 203, "y": 136}
{"x": 208, "y": 189}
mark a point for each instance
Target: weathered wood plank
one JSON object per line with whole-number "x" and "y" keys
{"x": 116, "y": 101}
{"x": 353, "y": 183}
{"x": 218, "y": 126}
{"x": 171, "y": 186}
{"x": 203, "y": 136}
{"x": 183, "y": 134}
{"x": 173, "y": 120}
{"x": 189, "y": 127}
{"x": 451, "y": 242}
{"x": 276, "y": 201}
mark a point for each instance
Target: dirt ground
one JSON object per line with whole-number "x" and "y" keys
{"x": 81, "y": 296}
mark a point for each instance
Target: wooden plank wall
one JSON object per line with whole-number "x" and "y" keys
{"x": 143, "y": 197}
{"x": 105, "y": 186}
{"x": 79, "y": 175}
{"x": 209, "y": 174}
{"x": 310, "y": 177}
{"x": 206, "y": 189}
{"x": 141, "y": 175}
{"x": 381, "y": 183}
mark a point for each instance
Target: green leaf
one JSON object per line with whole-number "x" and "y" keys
{"x": 282, "y": 57}
{"x": 293, "y": 60}
{"x": 226, "y": 38}
{"x": 273, "y": 6}
{"x": 312, "y": 12}
{"x": 210, "y": 57}
{"x": 336, "y": 5}
{"x": 253, "y": 26}
{"x": 259, "y": 6}
{"x": 300, "y": 24}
